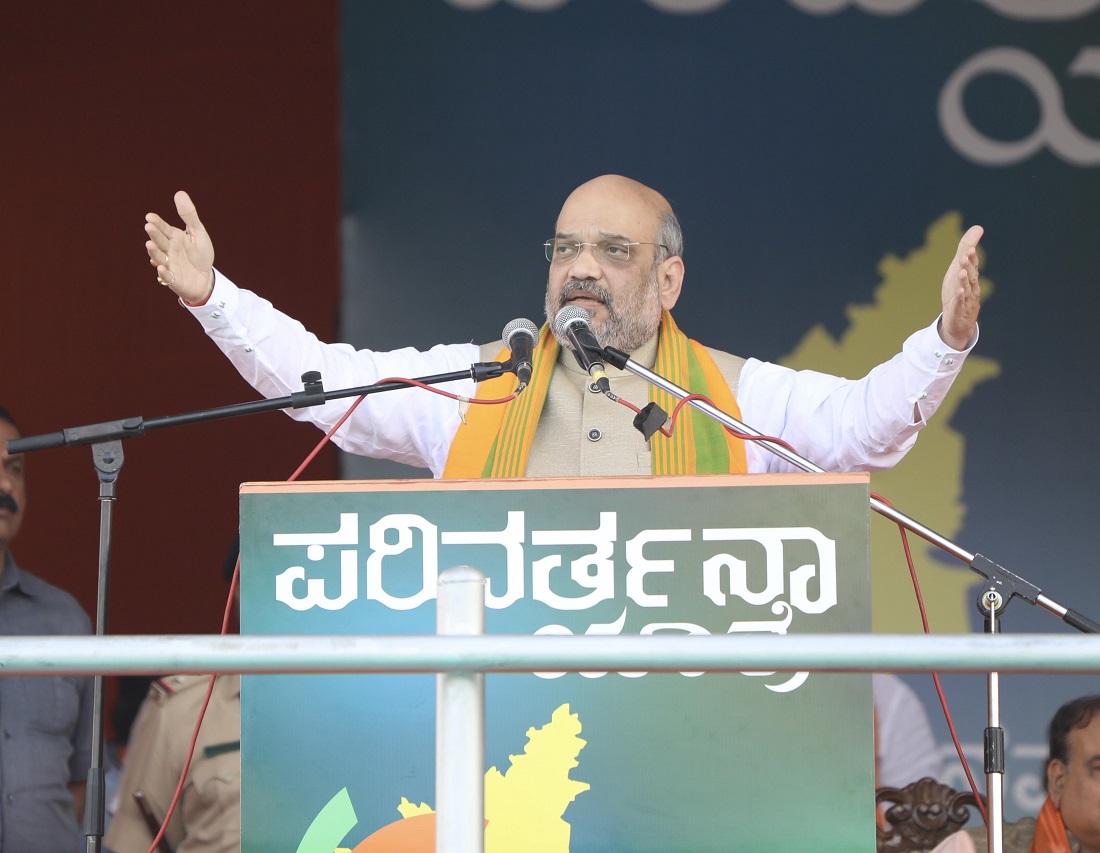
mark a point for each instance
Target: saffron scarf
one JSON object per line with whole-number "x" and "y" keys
{"x": 1050, "y": 831}
{"x": 495, "y": 441}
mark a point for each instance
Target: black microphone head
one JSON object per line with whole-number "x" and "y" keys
{"x": 569, "y": 316}
{"x": 573, "y": 324}
{"x": 521, "y": 325}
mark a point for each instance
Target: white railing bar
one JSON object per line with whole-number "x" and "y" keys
{"x": 117, "y": 654}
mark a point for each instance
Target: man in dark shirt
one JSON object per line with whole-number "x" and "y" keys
{"x": 45, "y": 721}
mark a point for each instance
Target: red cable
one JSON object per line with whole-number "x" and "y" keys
{"x": 935, "y": 675}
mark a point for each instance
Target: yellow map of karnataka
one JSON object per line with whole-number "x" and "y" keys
{"x": 523, "y": 806}
{"x": 928, "y": 485}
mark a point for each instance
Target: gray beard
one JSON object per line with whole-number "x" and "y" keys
{"x": 625, "y": 329}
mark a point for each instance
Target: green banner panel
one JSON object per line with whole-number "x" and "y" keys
{"x": 583, "y": 762}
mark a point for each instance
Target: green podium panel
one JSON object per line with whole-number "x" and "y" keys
{"x": 583, "y": 762}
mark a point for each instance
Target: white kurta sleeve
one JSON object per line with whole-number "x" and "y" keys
{"x": 272, "y": 351}
{"x": 847, "y": 425}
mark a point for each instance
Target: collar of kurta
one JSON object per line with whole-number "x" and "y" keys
{"x": 495, "y": 440}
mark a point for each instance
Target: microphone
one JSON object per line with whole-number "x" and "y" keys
{"x": 575, "y": 325}
{"x": 520, "y": 336}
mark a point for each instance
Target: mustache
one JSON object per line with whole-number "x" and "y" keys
{"x": 575, "y": 285}
{"x": 8, "y": 502}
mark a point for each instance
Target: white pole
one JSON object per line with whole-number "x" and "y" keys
{"x": 460, "y": 721}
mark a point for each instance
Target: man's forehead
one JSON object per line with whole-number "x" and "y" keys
{"x": 614, "y": 236}
{"x": 607, "y": 218}
{"x": 612, "y": 204}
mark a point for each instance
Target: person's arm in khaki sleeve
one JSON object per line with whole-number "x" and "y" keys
{"x": 151, "y": 769}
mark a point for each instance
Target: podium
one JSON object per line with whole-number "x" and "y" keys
{"x": 655, "y": 762}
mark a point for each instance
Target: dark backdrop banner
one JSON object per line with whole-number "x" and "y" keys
{"x": 253, "y": 137}
{"x": 824, "y": 157}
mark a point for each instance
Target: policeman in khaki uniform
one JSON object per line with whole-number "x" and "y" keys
{"x": 208, "y": 816}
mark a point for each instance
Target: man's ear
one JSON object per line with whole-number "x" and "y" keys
{"x": 670, "y": 278}
{"x": 1056, "y": 781}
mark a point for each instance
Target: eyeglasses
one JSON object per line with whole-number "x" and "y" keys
{"x": 560, "y": 251}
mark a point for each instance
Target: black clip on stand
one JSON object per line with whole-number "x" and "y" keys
{"x": 106, "y": 441}
{"x": 1001, "y": 587}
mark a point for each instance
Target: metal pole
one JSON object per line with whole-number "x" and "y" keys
{"x": 460, "y": 721}
{"x": 994, "y": 737}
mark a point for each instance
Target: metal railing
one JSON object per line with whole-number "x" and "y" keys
{"x": 120, "y": 655}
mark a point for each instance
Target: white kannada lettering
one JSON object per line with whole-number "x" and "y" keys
{"x": 395, "y": 534}
{"x": 736, "y": 570}
{"x": 640, "y": 566}
{"x": 786, "y": 615}
{"x": 780, "y": 608}
{"x": 511, "y": 539}
{"x": 346, "y": 534}
{"x": 594, "y": 571}
{"x": 616, "y": 628}
{"x": 793, "y": 683}
{"x": 802, "y": 578}
{"x": 315, "y": 587}
{"x": 404, "y": 524}
{"x": 1054, "y": 131}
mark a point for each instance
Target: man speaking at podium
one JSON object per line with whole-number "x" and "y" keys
{"x": 616, "y": 252}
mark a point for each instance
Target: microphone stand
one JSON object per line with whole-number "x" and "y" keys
{"x": 1000, "y": 587}
{"x": 106, "y": 441}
